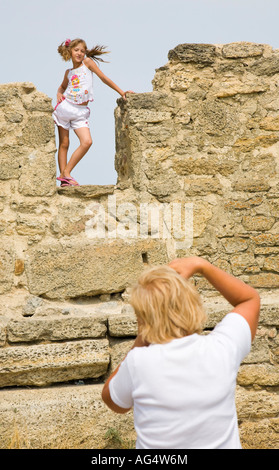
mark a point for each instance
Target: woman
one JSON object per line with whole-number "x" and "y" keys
{"x": 181, "y": 383}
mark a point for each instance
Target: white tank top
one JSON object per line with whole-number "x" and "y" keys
{"x": 80, "y": 86}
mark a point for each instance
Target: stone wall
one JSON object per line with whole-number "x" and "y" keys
{"x": 205, "y": 139}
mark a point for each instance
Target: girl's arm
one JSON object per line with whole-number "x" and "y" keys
{"x": 245, "y": 299}
{"x": 94, "y": 68}
{"x": 62, "y": 87}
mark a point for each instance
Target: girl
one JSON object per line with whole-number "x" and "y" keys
{"x": 181, "y": 383}
{"x": 73, "y": 96}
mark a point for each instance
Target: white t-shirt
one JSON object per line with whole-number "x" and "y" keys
{"x": 183, "y": 392}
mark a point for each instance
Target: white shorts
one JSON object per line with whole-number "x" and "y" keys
{"x": 71, "y": 116}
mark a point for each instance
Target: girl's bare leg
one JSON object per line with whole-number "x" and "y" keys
{"x": 85, "y": 143}
{"x": 63, "y": 149}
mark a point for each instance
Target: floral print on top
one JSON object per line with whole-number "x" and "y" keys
{"x": 80, "y": 85}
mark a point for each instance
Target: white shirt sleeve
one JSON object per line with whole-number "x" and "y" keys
{"x": 121, "y": 386}
{"x": 234, "y": 330}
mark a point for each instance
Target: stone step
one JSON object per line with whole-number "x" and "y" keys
{"x": 75, "y": 417}
{"x": 45, "y": 364}
{"x": 61, "y": 342}
{"x": 61, "y": 417}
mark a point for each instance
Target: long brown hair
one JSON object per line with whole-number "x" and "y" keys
{"x": 66, "y": 47}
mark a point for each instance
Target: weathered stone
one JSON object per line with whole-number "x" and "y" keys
{"x": 30, "y": 226}
{"x": 259, "y": 434}
{"x": 242, "y": 49}
{"x": 234, "y": 244}
{"x": 259, "y": 374}
{"x": 71, "y": 417}
{"x": 264, "y": 280}
{"x": 206, "y": 135}
{"x": 51, "y": 363}
{"x": 270, "y": 123}
{"x": 262, "y": 141}
{"x": 56, "y": 328}
{"x": 271, "y": 264}
{"x": 200, "y": 54}
{"x": 19, "y": 267}
{"x": 260, "y": 404}
{"x": 266, "y": 66}
{"x": 87, "y": 191}
{"x": 3, "y": 330}
{"x": 261, "y": 223}
{"x": 6, "y": 267}
{"x": 243, "y": 263}
{"x": 31, "y": 305}
{"x": 38, "y": 130}
{"x": 37, "y": 176}
{"x": 11, "y": 161}
{"x": 124, "y": 324}
{"x": 75, "y": 269}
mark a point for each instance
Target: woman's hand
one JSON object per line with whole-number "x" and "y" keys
{"x": 187, "y": 267}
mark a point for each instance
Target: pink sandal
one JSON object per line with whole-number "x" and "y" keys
{"x": 67, "y": 181}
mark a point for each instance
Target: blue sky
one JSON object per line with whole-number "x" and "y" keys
{"x": 139, "y": 34}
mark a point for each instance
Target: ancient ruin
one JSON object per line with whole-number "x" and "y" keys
{"x": 205, "y": 143}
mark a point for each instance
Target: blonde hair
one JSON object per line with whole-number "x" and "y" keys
{"x": 167, "y": 305}
{"x": 65, "y": 50}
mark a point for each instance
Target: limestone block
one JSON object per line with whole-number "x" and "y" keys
{"x": 261, "y": 223}
{"x": 200, "y": 54}
{"x": 146, "y": 115}
{"x": 216, "y": 118}
{"x": 266, "y": 239}
{"x": 264, "y": 280}
{"x": 90, "y": 191}
{"x": 237, "y": 50}
{"x": 269, "y": 314}
{"x": 266, "y": 65}
{"x": 51, "y": 363}
{"x": 233, "y": 86}
{"x": 258, "y": 374}
{"x": 234, "y": 244}
{"x": 261, "y": 141}
{"x": 38, "y": 173}
{"x": 74, "y": 269}
{"x": 124, "y": 324}
{"x": 60, "y": 417}
{"x": 39, "y": 130}
{"x": 30, "y": 225}
{"x": 152, "y": 101}
{"x": 256, "y": 404}
{"x": 204, "y": 164}
{"x": 37, "y": 101}
{"x": 119, "y": 350}
{"x": 11, "y": 161}
{"x": 259, "y": 351}
{"x": 56, "y": 328}
{"x": 271, "y": 264}
{"x": 260, "y": 434}
{"x": 243, "y": 263}
{"x": 201, "y": 186}
{"x": 251, "y": 183}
